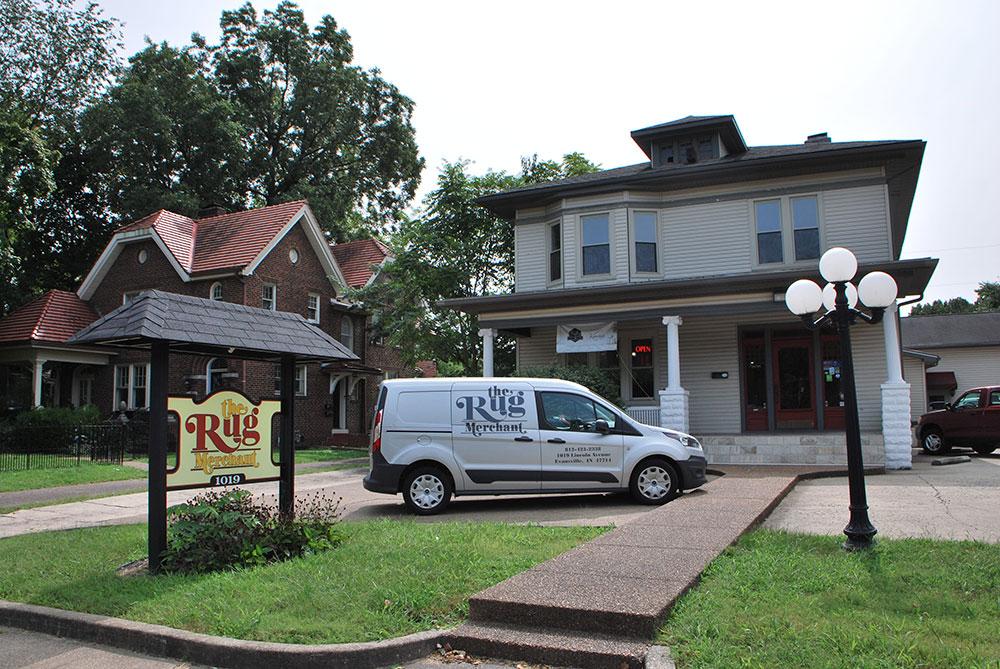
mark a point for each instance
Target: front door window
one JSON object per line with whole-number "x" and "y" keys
{"x": 793, "y": 385}
{"x": 833, "y": 389}
{"x": 755, "y": 381}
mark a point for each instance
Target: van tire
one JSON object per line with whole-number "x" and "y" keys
{"x": 654, "y": 481}
{"x": 427, "y": 490}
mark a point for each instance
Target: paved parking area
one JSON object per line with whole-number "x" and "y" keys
{"x": 23, "y": 649}
{"x": 960, "y": 501}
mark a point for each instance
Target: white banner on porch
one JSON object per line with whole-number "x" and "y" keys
{"x": 584, "y": 338}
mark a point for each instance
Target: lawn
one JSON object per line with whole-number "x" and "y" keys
{"x": 387, "y": 579}
{"x": 786, "y": 600}
{"x": 86, "y": 472}
{"x": 327, "y": 454}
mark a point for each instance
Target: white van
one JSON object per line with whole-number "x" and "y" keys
{"x": 434, "y": 438}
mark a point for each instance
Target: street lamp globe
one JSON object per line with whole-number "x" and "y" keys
{"x": 877, "y": 290}
{"x": 804, "y": 297}
{"x": 838, "y": 264}
{"x": 830, "y": 296}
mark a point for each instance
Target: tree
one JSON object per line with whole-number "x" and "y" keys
{"x": 315, "y": 126}
{"x": 987, "y": 299}
{"x": 454, "y": 248}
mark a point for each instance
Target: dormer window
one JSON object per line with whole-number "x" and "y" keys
{"x": 667, "y": 154}
{"x": 687, "y": 152}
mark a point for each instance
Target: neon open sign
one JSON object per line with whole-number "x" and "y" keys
{"x": 642, "y": 348}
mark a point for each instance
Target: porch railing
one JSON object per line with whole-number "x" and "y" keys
{"x": 645, "y": 415}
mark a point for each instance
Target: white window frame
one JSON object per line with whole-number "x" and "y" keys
{"x": 347, "y": 339}
{"x": 633, "y": 263}
{"x": 309, "y": 307}
{"x": 129, "y": 403}
{"x": 341, "y": 388}
{"x": 304, "y": 371}
{"x": 211, "y": 292}
{"x": 549, "y": 250}
{"x": 581, "y": 275}
{"x": 787, "y": 230}
{"x": 273, "y": 299}
{"x": 129, "y": 296}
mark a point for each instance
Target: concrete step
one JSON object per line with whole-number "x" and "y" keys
{"x": 552, "y": 647}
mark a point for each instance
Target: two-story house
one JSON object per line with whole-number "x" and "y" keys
{"x": 274, "y": 258}
{"x": 670, "y": 275}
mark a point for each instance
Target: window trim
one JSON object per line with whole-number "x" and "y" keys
{"x": 581, "y": 275}
{"x": 787, "y": 230}
{"x": 211, "y": 292}
{"x": 274, "y": 296}
{"x": 129, "y": 404}
{"x": 319, "y": 301}
{"x": 632, "y": 241}
{"x": 549, "y": 281}
{"x": 819, "y": 233}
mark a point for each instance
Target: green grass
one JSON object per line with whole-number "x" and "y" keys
{"x": 786, "y": 600}
{"x": 86, "y": 472}
{"x": 328, "y": 454}
{"x": 387, "y": 579}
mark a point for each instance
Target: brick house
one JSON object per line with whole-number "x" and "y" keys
{"x": 274, "y": 257}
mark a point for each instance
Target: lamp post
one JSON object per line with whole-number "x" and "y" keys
{"x": 839, "y": 300}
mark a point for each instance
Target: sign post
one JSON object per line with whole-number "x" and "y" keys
{"x": 286, "y": 490}
{"x": 156, "y": 541}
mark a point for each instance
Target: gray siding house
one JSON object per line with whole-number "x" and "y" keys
{"x": 673, "y": 270}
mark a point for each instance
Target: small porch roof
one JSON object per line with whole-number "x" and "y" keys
{"x": 746, "y": 292}
{"x": 208, "y": 327}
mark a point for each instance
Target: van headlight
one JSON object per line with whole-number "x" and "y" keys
{"x": 690, "y": 442}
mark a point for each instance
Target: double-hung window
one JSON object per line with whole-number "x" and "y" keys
{"x": 555, "y": 252}
{"x": 131, "y": 386}
{"x": 312, "y": 308}
{"x": 644, "y": 234}
{"x": 767, "y": 214}
{"x": 805, "y": 227}
{"x": 596, "y": 244}
{"x": 300, "y": 380}
{"x": 269, "y": 297}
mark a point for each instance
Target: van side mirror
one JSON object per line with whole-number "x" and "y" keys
{"x": 601, "y": 425}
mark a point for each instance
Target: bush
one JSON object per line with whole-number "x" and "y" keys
{"x": 216, "y": 531}
{"x": 58, "y": 417}
{"x": 591, "y": 377}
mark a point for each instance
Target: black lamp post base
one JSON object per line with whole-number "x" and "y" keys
{"x": 860, "y": 534}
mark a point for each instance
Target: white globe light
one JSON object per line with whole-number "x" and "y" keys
{"x": 830, "y": 296}
{"x": 803, "y": 297}
{"x": 838, "y": 264}
{"x": 877, "y": 290}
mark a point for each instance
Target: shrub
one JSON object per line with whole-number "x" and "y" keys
{"x": 591, "y": 377}
{"x": 58, "y": 417}
{"x": 225, "y": 530}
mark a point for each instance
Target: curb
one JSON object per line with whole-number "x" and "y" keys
{"x": 659, "y": 657}
{"x": 161, "y": 641}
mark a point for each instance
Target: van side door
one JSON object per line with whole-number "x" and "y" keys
{"x": 495, "y": 435}
{"x": 574, "y": 453}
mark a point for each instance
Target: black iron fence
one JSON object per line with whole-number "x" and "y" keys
{"x": 36, "y": 447}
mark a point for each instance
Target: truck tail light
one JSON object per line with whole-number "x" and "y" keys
{"x": 377, "y": 433}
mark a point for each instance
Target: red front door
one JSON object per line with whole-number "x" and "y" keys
{"x": 794, "y": 397}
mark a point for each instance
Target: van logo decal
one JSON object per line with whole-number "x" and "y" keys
{"x": 499, "y": 410}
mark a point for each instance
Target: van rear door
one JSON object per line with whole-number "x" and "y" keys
{"x": 495, "y": 434}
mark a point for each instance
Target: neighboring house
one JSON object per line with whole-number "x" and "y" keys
{"x": 950, "y": 353}
{"x": 670, "y": 276}
{"x": 274, "y": 257}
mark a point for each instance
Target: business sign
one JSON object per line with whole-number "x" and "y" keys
{"x": 584, "y": 338}
{"x": 225, "y": 439}
{"x": 492, "y": 410}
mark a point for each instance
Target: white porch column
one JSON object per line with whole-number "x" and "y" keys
{"x": 673, "y": 400}
{"x": 896, "y": 431}
{"x": 37, "y": 378}
{"x": 488, "y": 335}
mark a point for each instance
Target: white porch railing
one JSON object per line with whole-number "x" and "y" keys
{"x": 645, "y": 415}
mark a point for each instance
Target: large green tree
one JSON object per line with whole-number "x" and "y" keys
{"x": 454, "y": 248}
{"x": 987, "y": 299}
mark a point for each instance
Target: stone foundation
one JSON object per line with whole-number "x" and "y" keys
{"x": 789, "y": 449}
{"x": 674, "y": 409}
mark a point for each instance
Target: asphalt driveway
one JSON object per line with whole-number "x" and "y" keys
{"x": 960, "y": 501}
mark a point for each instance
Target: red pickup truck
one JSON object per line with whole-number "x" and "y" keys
{"x": 972, "y": 420}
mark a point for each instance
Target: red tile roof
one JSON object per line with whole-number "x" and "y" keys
{"x": 220, "y": 242}
{"x": 53, "y": 317}
{"x": 357, "y": 259}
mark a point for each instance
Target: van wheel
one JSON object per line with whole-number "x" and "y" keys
{"x": 427, "y": 490}
{"x": 654, "y": 481}
{"x": 933, "y": 442}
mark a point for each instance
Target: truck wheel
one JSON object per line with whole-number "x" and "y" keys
{"x": 984, "y": 449}
{"x": 932, "y": 442}
{"x": 427, "y": 490}
{"x": 654, "y": 481}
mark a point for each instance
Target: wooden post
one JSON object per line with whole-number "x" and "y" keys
{"x": 157, "y": 489}
{"x": 286, "y": 486}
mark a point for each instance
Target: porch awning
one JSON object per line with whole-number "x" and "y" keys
{"x": 942, "y": 381}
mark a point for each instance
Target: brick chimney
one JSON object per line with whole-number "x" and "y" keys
{"x": 818, "y": 138}
{"x": 210, "y": 210}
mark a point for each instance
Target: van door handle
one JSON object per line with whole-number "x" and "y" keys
{"x": 557, "y": 440}
{"x": 523, "y": 439}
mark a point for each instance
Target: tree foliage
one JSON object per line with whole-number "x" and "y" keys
{"x": 987, "y": 299}
{"x": 455, "y": 248}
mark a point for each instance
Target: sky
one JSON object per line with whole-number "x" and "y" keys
{"x": 493, "y": 82}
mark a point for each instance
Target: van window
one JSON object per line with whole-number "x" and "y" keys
{"x": 423, "y": 408}
{"x": 574, "y": 413}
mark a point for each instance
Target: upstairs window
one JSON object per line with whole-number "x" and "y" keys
{"x": 596, "y": 244}
{"x": 312, "y": 308}
{"x": 768, "y": 221}
{"x": 805, "y": 226}
{"x": 347, "y": 332}
{"x": 555, "y": 252}
{"x": 269, "y": 297}
{"x": 706, "y": 148}
{"x": 667, "y": 154}
{"x": 644, "y": 235}
{"x": 216, "y": 292}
